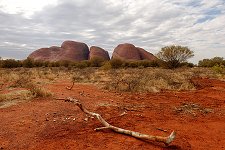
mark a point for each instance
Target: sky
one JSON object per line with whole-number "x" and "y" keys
{"x": 27, "y": 25}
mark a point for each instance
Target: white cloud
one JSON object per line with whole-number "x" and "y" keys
{"x": 150, "y": 24}
{"x": 25, "y": 7}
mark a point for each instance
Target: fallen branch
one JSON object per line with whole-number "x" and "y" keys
{"x": 161, "y": 130}
{"x": 166, "y": 140}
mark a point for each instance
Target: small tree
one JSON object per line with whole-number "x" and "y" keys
{"x": 174, "y": 55}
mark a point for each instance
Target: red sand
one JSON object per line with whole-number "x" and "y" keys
{"x": 46, "y": 123}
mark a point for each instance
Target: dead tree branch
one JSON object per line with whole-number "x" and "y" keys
{"x": 166, "y": 140}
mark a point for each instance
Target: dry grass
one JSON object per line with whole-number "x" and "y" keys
{"x": 38, "y": 91}
{"x": 45, "y": 75}
{"x": 86, "y": 75}
{"x": 206, "y": 73}
{"x": 130, "y": 80}
{"x": 143, "y": 80}
{"x": 27, "y": 79}
{"x": 155, "y": 79}
{"x": 16, "y": 95}
{"x": 148, "y": 80}
{"x": 192, "y": 109}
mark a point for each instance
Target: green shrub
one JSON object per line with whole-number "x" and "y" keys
{"x": 10, "y": 63}
{"x": 116, "y": 63}
{"x": 133, "y": 64}
{"x": 54, "y": 64}
{"x": 65, "y": 63}
{"x": 96, "y": 62}
{"x": 82, "y": 64}
{"x": 106, "y": 66}
{"x": 211, "y": 62}
{"x": 219, "y": 69}
{"x": 38, "y": 63}
{"x": 187, "y": 64}
{"x": 28, "y": 63}
{"x": 147, "y": 63}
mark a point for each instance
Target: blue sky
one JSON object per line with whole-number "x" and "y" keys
{"x": 29, "y": 25}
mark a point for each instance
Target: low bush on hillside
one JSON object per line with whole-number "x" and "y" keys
{"x": 10, "y": 63}
{"x": 95, "y": 62}
{"x": 216, "y": 61}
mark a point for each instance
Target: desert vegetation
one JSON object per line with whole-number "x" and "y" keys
{"x": 169, "y": 57}
{"x": 21, "y": 84}
{"x": 149, "y": 95}
{"x": 174, "y": 55}
{"x": 170, "y": 71}
{"x": 168, "y": 88}
{"x": 121, "y": 79}
{"x": 216, "y": 61}
{"x": 95, "y": 62}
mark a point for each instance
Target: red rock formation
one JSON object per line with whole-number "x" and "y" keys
{"x": 75, "y": 50}
{"x": 69, "y": 50}
{"x": 46, "y": 54}
{"x": 97, "y": 52}
{"x": 126, "y": 52}
{"x": 130, "y": 52}
{"x": 145, "y": 55}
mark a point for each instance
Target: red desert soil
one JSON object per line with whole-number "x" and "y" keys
{"x": 197, "y": 116}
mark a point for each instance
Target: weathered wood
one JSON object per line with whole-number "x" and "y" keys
{"x": 166, "y": 140}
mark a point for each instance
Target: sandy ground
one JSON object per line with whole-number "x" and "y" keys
{"x": 197, "y": 116}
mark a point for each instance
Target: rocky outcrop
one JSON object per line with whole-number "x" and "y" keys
{"x": 69, "y": 50}
{"x": 97, "y": 52}
{"x": 130, "y": 52}
{"x": 126, "y": 52}
{"x": 77, "y": 51}
{"x": 145, "y": 55}
{"x": 46, "y": 54}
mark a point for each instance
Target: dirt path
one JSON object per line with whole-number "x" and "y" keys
{"x": 197, "y": 116}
